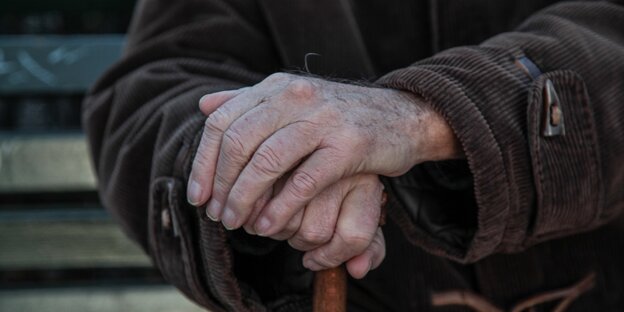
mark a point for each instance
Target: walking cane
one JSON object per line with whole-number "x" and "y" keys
{"x": 330, "y": 290}
{"x": 330, "y": 286}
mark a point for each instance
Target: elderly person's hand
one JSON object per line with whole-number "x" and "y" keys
{"x": 339, "y": 225}
{"x": 316, "y": 133}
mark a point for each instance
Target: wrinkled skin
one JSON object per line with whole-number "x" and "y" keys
{"x": 320, "y": 146}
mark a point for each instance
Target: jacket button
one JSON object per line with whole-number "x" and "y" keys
{"x": 552, "y": 124}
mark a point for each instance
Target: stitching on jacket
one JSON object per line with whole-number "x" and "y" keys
{"x": 588, "y": 117}
{"x": 453, "y": 84}
{"x": 537, "y": 98}
{"x": 571, "y": 80}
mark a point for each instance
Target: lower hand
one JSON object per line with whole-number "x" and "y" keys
{"x": 340, "y": 225}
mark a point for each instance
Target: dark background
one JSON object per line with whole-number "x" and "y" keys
{"x": 59, "y": 249}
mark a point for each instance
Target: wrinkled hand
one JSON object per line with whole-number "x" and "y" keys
{"x": 316, "y": 133}
{"x": 340, "y": 225}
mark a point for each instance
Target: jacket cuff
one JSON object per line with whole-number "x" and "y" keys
{"x": 192, "y": 252}
{"x": 496, "y": 110}
{"x": 218, "y": 269}
{"x": 449, "y": 98}
{"x": 566, "y": 163}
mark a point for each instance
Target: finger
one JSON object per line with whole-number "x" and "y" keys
{"x": 323, "y": 168}
{"x": 207, "y": 104}
{"x": 291, "y": 227}
{"x": 272, "y": 159}
{"x": 370, "y": 259}
{"x": 247, "y": 125}
{"x": 261, "y": 203}
{"x": 240, "y": 142}
{"x": 257, "y": 208}
{"x": 210, "y": 102}
{"x": 319, "y": 219}
{"x": 243, "y": 137}
{"x": 356, "y": 226}
{"x": 204, "y": 163}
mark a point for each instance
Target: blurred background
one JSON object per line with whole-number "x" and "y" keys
{"x": 59, "y": 249}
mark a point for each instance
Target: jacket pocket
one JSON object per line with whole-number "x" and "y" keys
{"x": 565, "y": 156}
{"x": 171, "y": 242}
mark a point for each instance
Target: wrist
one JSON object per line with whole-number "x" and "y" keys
{"x": 440, "y": 141}
{"x": 432, "y": 137}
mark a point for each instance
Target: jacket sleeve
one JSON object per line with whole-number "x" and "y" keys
{"x": 143, "y": 125}
{"x": 506, "y": 100}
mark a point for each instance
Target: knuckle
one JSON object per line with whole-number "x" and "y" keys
{"x": 267, "y": 161}
{"x": 304, "y": 185}
{"x": 233, "y": 146}
{"x": 216, "y": 122}
{"x": 301, "y": 88}
{"x": 219, "y": 182}
{"x": 277, "y": 77}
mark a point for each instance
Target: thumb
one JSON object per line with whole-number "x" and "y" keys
{"x": 211, "y": 101}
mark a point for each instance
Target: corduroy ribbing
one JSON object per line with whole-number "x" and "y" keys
{"x": 142, "y": 116}
{"x": 485, "y": 100}
{"x": 479, "y": 146}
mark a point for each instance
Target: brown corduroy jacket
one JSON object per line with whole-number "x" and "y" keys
{"x": 533, "y": 89}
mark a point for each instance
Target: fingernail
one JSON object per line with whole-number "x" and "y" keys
{"x": 201, "y": 100}
{"x": 250, "y": 230}
{"x": 263, "y": 226}
{"x": 194, "y": 193}
{"x": 229, "y": 218}
{"x": 213, "y": 210}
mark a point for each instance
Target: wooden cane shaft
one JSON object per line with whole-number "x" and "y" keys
{"x": 330, "y": 286}
{"x": 330, "y": 290}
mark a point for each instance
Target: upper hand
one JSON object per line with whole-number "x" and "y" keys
{"x": 322, "y": 131}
